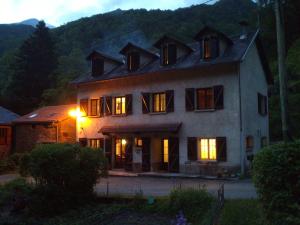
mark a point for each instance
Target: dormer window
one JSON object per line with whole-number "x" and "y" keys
{"x": 209, "y": 47}
{"x": 168, "y": 54}
{"x": 97, "y": 66}
{"x": 133, "y": 61}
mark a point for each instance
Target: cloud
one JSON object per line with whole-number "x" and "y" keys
{"x": 58, "y": 12}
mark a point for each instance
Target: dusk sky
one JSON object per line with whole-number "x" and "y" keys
{"x": 58, "y": 12}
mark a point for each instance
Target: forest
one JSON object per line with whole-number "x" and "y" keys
{"x": 37, "y": 65}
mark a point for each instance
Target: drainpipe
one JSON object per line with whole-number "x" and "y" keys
{"x": 242, "y": 156}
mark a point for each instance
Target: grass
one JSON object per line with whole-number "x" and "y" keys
{"x": 242, "y": 212}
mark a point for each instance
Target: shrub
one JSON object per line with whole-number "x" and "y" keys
{"x": 11, "y": 163}
{"x": 65, "y": 175}
{"x": 277, "y": 179}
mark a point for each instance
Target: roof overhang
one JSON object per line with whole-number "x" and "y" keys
{"x": 141, "y": 129}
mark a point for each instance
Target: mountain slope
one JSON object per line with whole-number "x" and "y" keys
{"x": 33, "y": 22}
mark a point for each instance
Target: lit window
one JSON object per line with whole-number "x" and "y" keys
{"x": 120, "y": 107}
{"x": 139, "y": 142}
{"x": 249, "y": 143}
{"x": 205, "y": 98}
{"x": 94, "y": 107}
{"x": 159, "y": 102}
{"x": 207, "y": 149}
{"x": 207, "y": 48}
{"x": 166, "y": 151}
{"x": 95, "y": 143}
{"x": 3, "y": 136}
{"x": 120, "y": 148}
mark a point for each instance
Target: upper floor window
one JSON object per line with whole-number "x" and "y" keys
{"x": 168, "y": 54}
{"x": 159, "y": 102}
{"x": 209, "y": 47}
{"x": 120, "y": 105}
{"x": 97, "y": 66}
{"x": 3, "y": 136}
{"x": 205, "y": 98}
{"x": 84, "y": 105}
{"x": 94, "y": 107}
{"x": 262, "y": 104}
{"x": 133, "y": 61}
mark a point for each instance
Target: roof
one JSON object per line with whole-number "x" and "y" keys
{"x": 210, "y": 29}
{"x": 6, "y": 116}
{"x": 167, "y": 38}
{"x": 103, "y": 55}
{"x": 130, "y": 45}
{"x": 47, "y": 114}
{"x": 141, "y": 128}
{"x": 233, "y": 54}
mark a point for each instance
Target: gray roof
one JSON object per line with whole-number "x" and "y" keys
{"x": 6, "y": 116}
{"x": 233, "y": 54}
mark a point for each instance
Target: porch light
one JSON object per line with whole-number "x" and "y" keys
{"x": 124, "y": 142}
{"x": 77, "y": 114}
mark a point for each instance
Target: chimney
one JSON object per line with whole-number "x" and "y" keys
{"x": 244, "y": 26}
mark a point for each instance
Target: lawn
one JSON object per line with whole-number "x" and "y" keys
{"x": 242, "y": 212}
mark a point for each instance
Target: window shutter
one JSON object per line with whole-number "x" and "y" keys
{"x": 201, "y": 48}
{"x": 128, "y": 104}
{"x": 108, "y": 105}
{"x": 192, "y": 148}
{"x": 266, "y": 105}
{"x": 214, "y": 47}
{"x": 101, "y": 143}
{"x": 259, "y": 101}
{"x": 172, "y": 53}
{"x": 170, "y": 101}
{"x": 189, "y": 99}
{"x": 108, "y": 150}
{"x": 146, "y": 103}
{"x": 219, "y": 97}
{"x": 84, "y": 106}
{"x": 101, "y": 107}
{"x": 221, "y": 149}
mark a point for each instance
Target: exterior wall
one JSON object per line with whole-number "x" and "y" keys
{"x": 253, "y": 80}
{"x": 67, "y": 131}
{"x": 194, "y": 124}
{"x": 5, "y": 149}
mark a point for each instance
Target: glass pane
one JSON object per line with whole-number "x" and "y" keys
{"x": 201, "y": 99}
{"x": 123, "y": 142}
{"x": 156, "y": 102}
{"x": 166, "y": 150}
{"x": 118, "y": 105}
{"x": 212, "y": 149}
{"x": 123, "y": 105}
{"x": 209, "y": 98}
{"x": 118, "y": 148}
{"x": 162, "y": 102}
{"x": 204, "y": 148}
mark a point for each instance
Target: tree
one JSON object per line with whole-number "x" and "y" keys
{"x": 34, "y": 63}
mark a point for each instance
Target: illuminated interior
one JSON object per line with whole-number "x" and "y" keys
{"x": 207, "y": 149}
{"x": 120, "y": 148}
{"x": 159, "y": 102}
{"x": 120, "y": 107}
{"x": 166, "y": 150}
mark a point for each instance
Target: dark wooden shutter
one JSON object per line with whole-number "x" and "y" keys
{"x": 219, "y": 97}
{"x": 266, "y": 105}
{"x": 97, "y": 67}
{"x": 101, "y": 143}
{"x": 170, "y": 101}
{"x": 192, "y": 148}
{"x": 108, "y": 105}
{"x": 108, "y": 150}
{"x": 172, "y": 54}
{"x": 259, "y": 101}
{"x": 101, "y": 107}
{"x": 174, "y": 154}
{"x": 84, "y": 105}
{"x": 201, "y": 48}
{"x": 214, "y": 47}
{"x": 221, "y": 149}
{"x": 146, "y": 103}
{"x": 128, "y": 104}
{"x": 189, "y": 99}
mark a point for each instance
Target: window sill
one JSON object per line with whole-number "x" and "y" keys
{"x": 119, "y": 115}
{"x": 158, "y": 113}
{"x": 204, "y": 110}
{"x": 211, "y": 162}
{"x": 94, "y": 116}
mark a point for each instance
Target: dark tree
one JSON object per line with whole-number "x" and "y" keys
{"x": 34, "y": 63}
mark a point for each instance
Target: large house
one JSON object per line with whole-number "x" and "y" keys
{"x": 6, "y": 131}
{"x": 191, "y": 108}
{"x": 50, "y": 124}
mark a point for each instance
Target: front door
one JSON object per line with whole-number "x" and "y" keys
{"x": 146, "y": 154}
{"x": 123, "y": 153}
{"x": 170, "y": 154}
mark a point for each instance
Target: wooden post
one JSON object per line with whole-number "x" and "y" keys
{"x": 281, "y": 51}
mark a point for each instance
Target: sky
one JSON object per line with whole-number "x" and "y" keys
{"x": 59, "y": 12}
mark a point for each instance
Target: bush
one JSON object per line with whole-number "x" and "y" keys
{"x": 11, "y": 163}
{"x": 65, "y": 175}
{"x": 277, "y": 179}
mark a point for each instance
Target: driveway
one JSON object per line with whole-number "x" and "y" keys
{"x": 155, "y": 186}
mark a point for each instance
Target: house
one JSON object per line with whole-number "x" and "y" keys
{"x": 196, "y": 108}
{"x": 50, "y": 124}
{"x": 6, "y": 131}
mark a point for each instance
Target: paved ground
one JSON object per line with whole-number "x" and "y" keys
{"x": 156, "y": 186}
{"x": 162, "y": 186}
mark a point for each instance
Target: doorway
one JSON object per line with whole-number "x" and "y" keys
{"x": 170, "y": 154}
{"x": 123, "y": 153}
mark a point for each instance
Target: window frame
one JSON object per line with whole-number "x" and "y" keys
{"x": 97, "y": 107}
{"x": 160, "y": 106}
{"x": 205, "y": 98}
{"x": 115, "y": 106}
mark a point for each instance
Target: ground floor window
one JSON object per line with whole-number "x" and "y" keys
{"x": 166, "y": 150}
{"x": 3, "y": 136}
{"x": 264, "y": 142}
{"x": 138, "y": 142}
{"x": 207, "y": 149}
{"x": 249, "y": 143}
{"x": 95, "y": 143}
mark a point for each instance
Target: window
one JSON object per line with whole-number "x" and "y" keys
{"x": 120, "y": 105}
{"x": 96, "y": 143}
{"x": 207, "y": 48}
{"x": 133, "y": 61}
{"x": 207, "y": 149}
{"x": 84, "y": 106}
{"x": 94, "y": 107}
{"x": 165, "y": 150}
{"x": 138, "y": 142}
{"x": 168, "y": 54}
{"x": 3, "y": 136}
{"x": 263, "y": 142}
{"x": 159, "y": 102}
{"x": 249, "y": 143}
{"x": 210, "y": 47}
{"x": 262, "y": 104}
{"x": 205, "y": 98}
{"x": 97, "y": 67}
